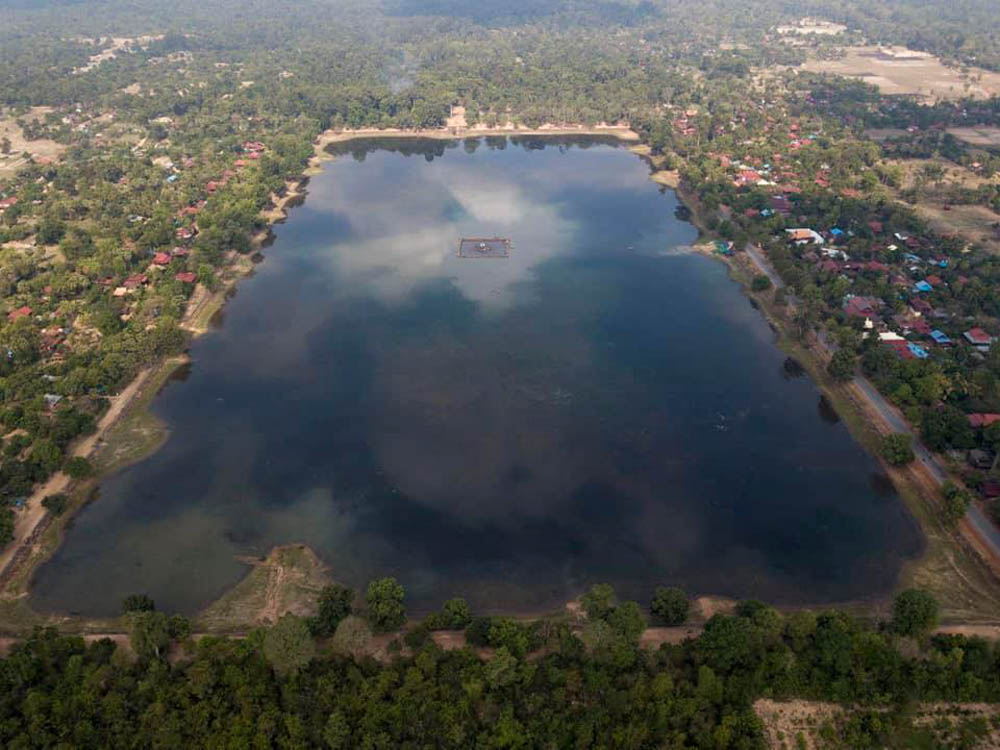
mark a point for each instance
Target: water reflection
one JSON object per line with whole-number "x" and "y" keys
{"x": 827, "y": 411}
{"x": 595, "y": 407}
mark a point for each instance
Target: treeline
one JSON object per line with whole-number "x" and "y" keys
{"x": 551, "y": 683}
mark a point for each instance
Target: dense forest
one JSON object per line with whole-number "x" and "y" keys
{"x": 165, "y": 155}
{"x": 550, "y": 683}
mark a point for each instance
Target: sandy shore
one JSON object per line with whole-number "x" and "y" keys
{"x": 29, "y": 520}
{"x": 622, "y": 132}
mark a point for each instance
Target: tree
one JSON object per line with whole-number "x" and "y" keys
{"x": 599, "y": 601}
{"x": 137, "y": 603}
{"x": 628, "y": 620}
{"x": 334, "y": 605}
{"x": 78, "y": 468}
{"x": 55, "y": 504}
{"x": 841, "y": 365}
{"x": 760, "y": 283}
{"x": 670, "y": 605}
{"x": 454, "y": 615}
{"x": 150, "y": 633}
{"x": 956, "y": 502}
{"x": 5, "y": 146}
{"x": 178, "y": 627}
{"x": 914, "y": 612}
{"x": 352, "y": 638}
{"x": 385, "y": 604}
{"x": 288, "y": 645}
{"x": 897, "y": 449}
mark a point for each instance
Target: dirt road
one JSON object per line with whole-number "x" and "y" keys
{"x": 28, "y": 518}
{"x": 986, "y": 533}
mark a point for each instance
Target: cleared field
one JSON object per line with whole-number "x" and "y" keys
{"x": 815, "y": 725}
{"x": 984, "y": 136}
{"x": 899, "y": 71}
{"x": 39, "y": 149}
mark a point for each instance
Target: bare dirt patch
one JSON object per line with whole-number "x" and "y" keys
{"x": 40, "y": 148}
{"x": 899, "y": 70}
{"x": 985, "y": 136}
{"x": 288, "y": 580}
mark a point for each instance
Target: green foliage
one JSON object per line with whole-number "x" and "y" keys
{"x": 385, "y": 604}
{"x": 914, "y": 612}
{"x": 288, "y": 645}
{"x": 150, "y": 633}
{"x": 6, "y": 526}
{"x": 138, "y": 603}
{"x": 842, "y": 365}
{"x": 352, "y": 638}
{"x": 78, "y": 468}
{"x": 897, "y": 449}
{"x": 956, "y": 502}
{"x": 334, "y": 604}
{"x": 599, "y": 601}
{"x": 454, "y": 615}
{"x": 55, "y": 504}
{"x": 670, "y": 605}
{"x": 760, "y": 283}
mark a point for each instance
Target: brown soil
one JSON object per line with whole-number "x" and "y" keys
{"x": 909, "y": 72}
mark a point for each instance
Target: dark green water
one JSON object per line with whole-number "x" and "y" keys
{"x": 597, "y": 407}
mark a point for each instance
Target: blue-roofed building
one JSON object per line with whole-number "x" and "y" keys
{"x": 923, "y": 286}
{"x": 943, "y": 263}
{"x": 911, "y": 258}
{"x": 940, "y": 337}
{"x": 837, "y": 232}
{"x": 918, "y": 351}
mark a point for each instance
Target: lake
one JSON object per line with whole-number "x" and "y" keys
{"x": 601, "y": 405}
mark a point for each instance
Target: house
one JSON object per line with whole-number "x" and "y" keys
{"x": 187, "y": 277}
{"x": 52, "y": 400}
{"x": 875, "y": 226}
{"x": 862, "y": 307}
{"x": 21, "y": 312}
{"x": 6, "y": 203}
{"x": 179, "y": 252}
{"x": 940, "y": 337}
{"x": 978, "y": 337}
{"x": 803, "y": 236}
{"x": 135, "y": 281}
{"x": 982, "y": 420}
{"x": 934, "y": 280}
{"x": 923, "y": 286}
{"x": 161, "y": 259}
{"x": 980, "y": 459}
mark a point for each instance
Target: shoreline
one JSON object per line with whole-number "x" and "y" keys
{"x": 328, "y": 137}
{"x": 202, "y": 306}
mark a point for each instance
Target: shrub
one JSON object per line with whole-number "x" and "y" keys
{"x": 670, "y": 605}
{"x": 897, "y": 449}
{"x": 914, "y": 612}
{"x": 760, "y": 283}
{"x": 55, "y": 504}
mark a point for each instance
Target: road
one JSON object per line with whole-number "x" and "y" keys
{"x": 981, "y": 525}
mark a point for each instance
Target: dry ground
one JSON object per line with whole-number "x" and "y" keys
{"x": 288, "y": 580}
{"x": 984, "y": 136}
{"x": 40, "y": 148}
{"x": 812, "y": 725}
{"x": 909, "y": 72}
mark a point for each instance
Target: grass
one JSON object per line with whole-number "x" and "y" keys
{"x": 288, "y": 580}
{"x": 963, "y": 584}
{"x": 139, "y": 433}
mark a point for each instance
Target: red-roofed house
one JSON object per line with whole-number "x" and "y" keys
{"x": 188, "y": 277}
{"x": 862, "y": 307}
{"x": 161, "y": 259}
{"x": 983, "y": 420}
{"x": 978, "y": 337}
{"x": 21, "y": 312}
